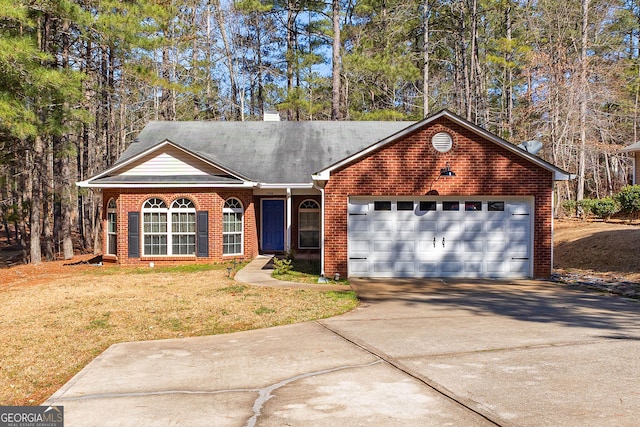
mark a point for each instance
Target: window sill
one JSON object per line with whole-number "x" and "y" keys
{"x": 167, "y": 257}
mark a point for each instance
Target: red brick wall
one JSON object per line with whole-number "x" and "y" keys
{"x": 128, "y": 200}
{"x": 411, "y": 165}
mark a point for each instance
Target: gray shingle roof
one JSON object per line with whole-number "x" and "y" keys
{"x": 268, "y": 152}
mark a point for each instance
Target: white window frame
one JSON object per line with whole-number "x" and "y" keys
{"x": 232, "y": 208}
{"x": 155, "y": 224}
{"x": 158, "y": 222}
{"x": 182, "y": 209}
{"x": 112, "y": 227}
{"x": 305, "y": 209}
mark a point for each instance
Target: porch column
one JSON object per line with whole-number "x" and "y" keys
{"x": 287, "y": 243}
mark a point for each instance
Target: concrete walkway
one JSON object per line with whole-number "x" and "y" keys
{"x": 424, "y": 353}
{"x": 258, "y": 273}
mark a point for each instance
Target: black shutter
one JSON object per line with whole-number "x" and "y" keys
{"x": 134, "y": 234}
{"x": 202, "y": 235}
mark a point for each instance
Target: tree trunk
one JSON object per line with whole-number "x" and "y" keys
{"x": 68, "y": 194}
{"x": 335, "y": 62}
{"x": 36, "y": 200}
{"x": 582, "y": 154}
{"x": 425, "y": 58}
{"x": 228, "y": 53}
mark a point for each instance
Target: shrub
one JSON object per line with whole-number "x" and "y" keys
{"x": 629, "y": 199}
{"x": 281, "y": 266}
{"x": 569, "y": 207}
{"x": 604, "y": 208}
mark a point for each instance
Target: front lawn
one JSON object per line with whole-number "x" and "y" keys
{"x": 56, "y": 319}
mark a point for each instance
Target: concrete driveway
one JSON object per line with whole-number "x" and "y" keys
{"x": 428, "y": 353}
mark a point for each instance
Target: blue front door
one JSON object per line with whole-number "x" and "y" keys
{"x": 273, "y": 225}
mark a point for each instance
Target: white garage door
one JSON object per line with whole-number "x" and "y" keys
{"x": 440, "y": 237}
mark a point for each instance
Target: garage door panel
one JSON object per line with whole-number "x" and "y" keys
{"x": 358, "y": 224}
{"x": 385, "y": 225}
{"x": 495, "y": 226}
{"x": 448, "y": 267}
{"x": 427, "y": 267}
{"x": 427, "y": 225}
{"x": 360, "y": 245}
{"x": 473, "y": 226}
{"x": 519, "y": 266}
{"x": 383, "y": 267}
{"x": 473, "y": 266}
{"x": 358, "y": 267}
{"x": 405, "y": 226}
{"x": 497, "y": 246}
{"x": 405, "y": 269}
{"x": 450, "y": 227}
{"x": 476, "y": 246}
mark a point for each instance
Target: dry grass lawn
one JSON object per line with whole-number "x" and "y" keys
{"x": 55, "y": 319}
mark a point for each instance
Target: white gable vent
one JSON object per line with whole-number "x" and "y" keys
{"x": 442, "y": 142}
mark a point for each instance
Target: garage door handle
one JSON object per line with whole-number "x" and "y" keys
{"x": 357, "y": 257}
{"x": 443, "y": 242}
{"x": 434, "y": 242}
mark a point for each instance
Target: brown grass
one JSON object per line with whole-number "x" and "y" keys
{"x": 598, "y": 248}
{"x": 55, "y": 319}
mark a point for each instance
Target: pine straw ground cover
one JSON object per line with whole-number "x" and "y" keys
{"x": 55, "y": 319}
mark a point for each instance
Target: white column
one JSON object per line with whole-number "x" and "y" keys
{"x": 287, "y": 243}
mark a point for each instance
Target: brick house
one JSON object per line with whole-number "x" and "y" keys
{"x": 440, "y": 197}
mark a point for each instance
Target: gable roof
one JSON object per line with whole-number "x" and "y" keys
{"x": 272, "y": 153}
{"x": 262, "y": 152}
{"x": 559, "y": 174}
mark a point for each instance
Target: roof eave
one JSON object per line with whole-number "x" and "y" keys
{"x": 89, "y": 184}
{"x": 280, "y": 186}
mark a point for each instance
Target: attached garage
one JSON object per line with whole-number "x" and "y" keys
{"x": 440, "y": 237}
{"x": 441, "y": 198}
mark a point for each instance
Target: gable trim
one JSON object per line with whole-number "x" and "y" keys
{"x": 559, "y": 174}
{"x": 119, "y": 166}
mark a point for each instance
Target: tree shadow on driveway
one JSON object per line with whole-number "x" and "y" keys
{"x": 525, "y": 300}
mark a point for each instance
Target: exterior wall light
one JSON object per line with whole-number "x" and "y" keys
{"x": 446, "y": 171}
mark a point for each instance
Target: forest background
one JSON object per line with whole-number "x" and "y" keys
{"x": 80, "y": 78}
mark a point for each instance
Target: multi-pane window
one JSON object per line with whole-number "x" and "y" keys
{"x": 232, "y": 227}
{"x": 183, "y": 227}
{"x": 112, "y": 235}
{"x": 309, "y": 224}
{"x": 169, "y": 231}
{"x": 154, "y": 218}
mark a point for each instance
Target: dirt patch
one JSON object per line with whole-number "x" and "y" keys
{"x": 602, "y": 249}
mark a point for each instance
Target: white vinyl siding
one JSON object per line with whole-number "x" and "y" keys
{"x": 170, "y": 162}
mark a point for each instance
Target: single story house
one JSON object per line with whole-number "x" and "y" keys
{"x": 440, "y": 197}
